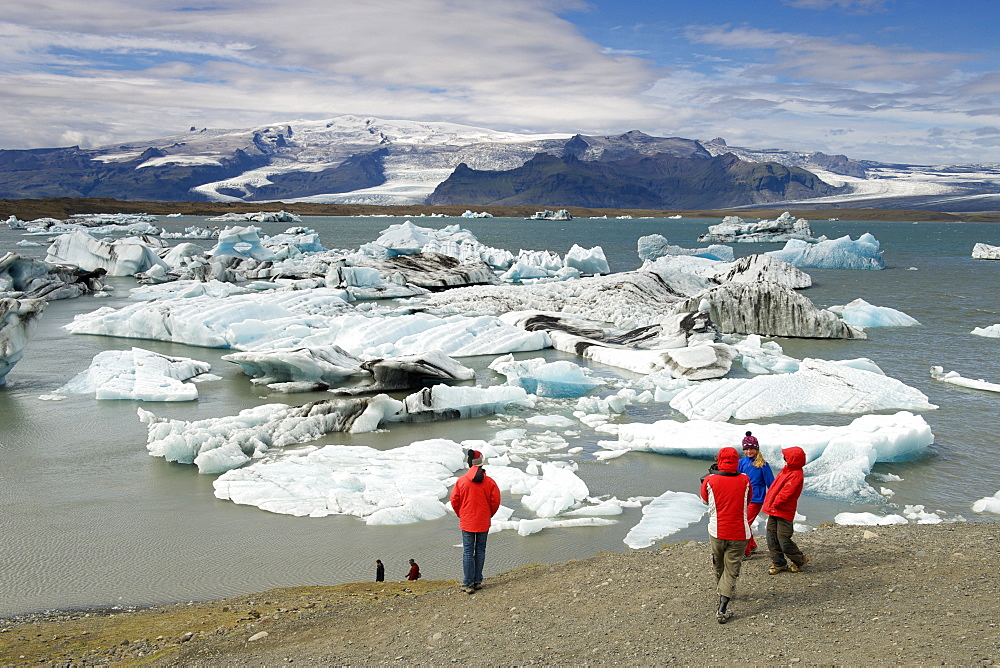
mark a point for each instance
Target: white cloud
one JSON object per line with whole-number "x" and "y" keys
{"x": 512, "y": 64}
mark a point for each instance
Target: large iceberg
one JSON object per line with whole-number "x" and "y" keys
{"x": 768, "y": 309}
{"x": 304, "y": 368}
{"x": 139, "y": 375}
{"x": 18, "y": 320}
{"x": 818, "y": 386}
{"x": 734, "y": 229}
{"x": 27, "y": 278}
{"x": 124, "y": 257}
{"x": 305, "y": 319}
{"x": 842, "y": 253}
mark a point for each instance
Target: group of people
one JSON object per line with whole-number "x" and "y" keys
{"x": 413, "y": 574}
{"x": 736, "y": 489}
{"x": 475, "y": 500}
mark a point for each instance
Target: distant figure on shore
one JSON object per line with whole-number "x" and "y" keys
{"x": 475, "y": 500}
{"x": 414, "y": 573}
{"x": 780, "y": 505}
{"x": 761, "y": 477}
{"x": 727, "y": 494}
{"x": 379, "y": 571}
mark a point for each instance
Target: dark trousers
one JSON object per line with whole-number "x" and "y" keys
{"x": 780, "y": 545}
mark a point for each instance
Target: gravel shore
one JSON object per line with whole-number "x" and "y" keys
{"x": 912, "y": 594}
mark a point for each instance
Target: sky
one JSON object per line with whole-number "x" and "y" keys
{"x": 892, "y": 80}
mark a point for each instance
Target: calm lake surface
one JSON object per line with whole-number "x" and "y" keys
{"x": 88, "y": 518}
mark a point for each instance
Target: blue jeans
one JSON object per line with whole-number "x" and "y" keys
{"x": 473, "y": 556}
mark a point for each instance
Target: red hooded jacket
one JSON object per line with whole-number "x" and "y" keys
{"x": 783, "y": 496}
{"x": 475, "y": 502}
{"x": 727, "y": 494}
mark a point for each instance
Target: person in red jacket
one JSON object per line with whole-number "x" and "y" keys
{"x": 727, "y": 493}
{"x": 414, "y": 573}
{"x": 780, "y": 504}
{"x": 475, "y": 499}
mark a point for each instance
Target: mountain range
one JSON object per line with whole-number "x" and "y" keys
{"x": 355, "y": 160}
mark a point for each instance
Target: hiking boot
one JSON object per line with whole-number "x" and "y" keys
{"x": 468, "y": 589}
{"x": 477, "y": 586}
{"x": 799, "y": 567}
{"x": 774, "y": 570}
{"x": 723, "y": 617}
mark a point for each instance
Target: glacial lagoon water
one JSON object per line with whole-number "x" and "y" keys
{"x": 88, "y": 518}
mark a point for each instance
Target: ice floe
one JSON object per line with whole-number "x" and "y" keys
{"x": 817, "y": 386}
{"x": 840, "y": 458}
{"x": 666, "y": 514}
{"x": 220, "y": 444}
{"x": 953, "y": 377}
{"x": 842, "y": 253}
{"x": 860, "y": 313}
{"x": 139, "y": 375}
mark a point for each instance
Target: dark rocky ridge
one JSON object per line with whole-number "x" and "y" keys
{"x": 638, "y": 181}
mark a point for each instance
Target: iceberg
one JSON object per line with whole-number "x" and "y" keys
{"x": 560, "y": 379}
{"x": 138, "y": 375}
{"x": 216, "y": 445}
{"x": 406, "y": 372}
{"x": 953, "y": 377}
{"x": 18, "y": 321}
{"x": 259, "y": 217}
{"x": 242, "y": 242}
{"x": 768, "y": 309}
{"x": 868, "y": 519}
{"x": 27, "y": 278}
{"x": 125, "y": 257}
{"x": 842, "y": 253}
{"x": 398, "y": 486}
{"x": 312, "y": 368}
{"x": 665, "y": 515}
{"x": 986, "y": 252}
{"x": 818, "y": 386}
{"x": 655, "y": 246}
{"x": 840, "y": 458}
{"x": 558, "y": 490}
{"x": 734, "y": 229}
{"x": 989, "y": 504}
{"x": 860, "y": 313}
{"x": 756, "y": 268}
{"x": 313, "y": 318}
{"x": 587, "y": 261}
{"x": 991, "y": 332}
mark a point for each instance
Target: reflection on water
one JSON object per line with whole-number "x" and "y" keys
{"x": 90, "y": 519}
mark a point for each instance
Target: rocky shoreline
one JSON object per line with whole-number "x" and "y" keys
{"x": 894, "y": 595}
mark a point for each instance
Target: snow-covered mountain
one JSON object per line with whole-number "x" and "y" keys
{"x": 351, "y": 159}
